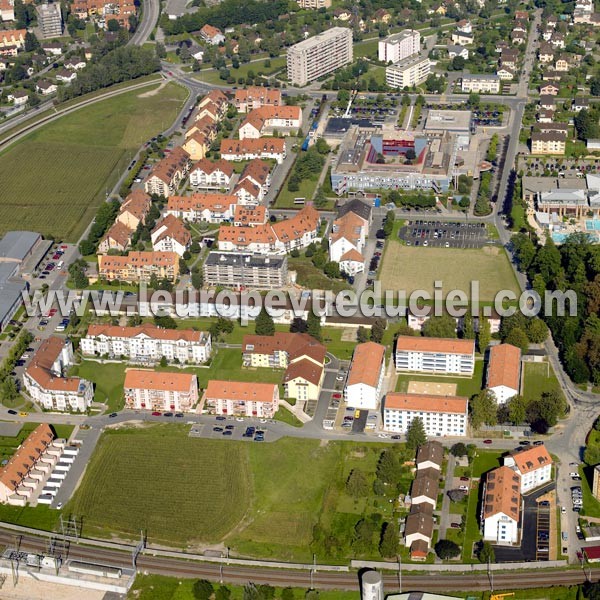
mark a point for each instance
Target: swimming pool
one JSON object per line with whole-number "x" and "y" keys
{"x": 592, "y": 225}
{"x": 559, "y": 238}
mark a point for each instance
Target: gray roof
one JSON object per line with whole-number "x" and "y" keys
{"x": 482, "y": 76}
{"x": 246, "y": 260}
{"x": 563, "y": 196}
{"x": 356, "y": 206}
{"x": 10, "y": 289}
{"x": 16, "y": 245}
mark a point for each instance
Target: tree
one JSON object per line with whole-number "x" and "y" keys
{"x": 473, "y": 100}
{"x": 446, "y": 549}
{"x": 197, "y": 279}
{"x": 166, "y": 322}
{"x": 517, "y": 408}
{"x": 202, "y": 589}
{"x": 456, "y": 495}
{"x": 458, "y": 63}
{"x": 458, "y": 449}
{"x": 9, "y": 389}
{"x": 298, "y": 325}
{"x": 389, "y": 467}
{"x": 586, "y": 124}
{"x": 264, "y": 324}
{"x": 468, "y": 328}
{"x": 362, "y": 335}
{"x": 31, "y": 42}
{"x": 113, "y": 25}
{"x": 484, "y": 335}
{"x": 195, "y": 248}
{"x": 332, "y": 269}
{"x": 357, "y": 484}
{"x": 183, "y": 268}
{"x": 377, "y": 330}
{"x": 287, "y": 594}
{"x": 160, "y": 50}
{"x": 486, "y": 553}
{"x": 388, "y": 545}
{"x": 415, "y": 434}
{"x": 483, "y": 409}
{"x": 517, "y": 337}
{"x": 537, "y": 331}
{"x": 441, "y": 327}
{"x": 223, "y": 593}
{"x": 313, "y": 325}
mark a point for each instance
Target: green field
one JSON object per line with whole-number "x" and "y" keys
{"x": 409, "y": 268}
{"x": 108, "y": 379}
{"x": 55, "y": 178}
{"x": 312, "y": 278}
{"x": 538, "y": 378}
{"x": 212, "y": 75}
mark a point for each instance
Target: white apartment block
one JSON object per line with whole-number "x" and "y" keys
{"x": 408, "y": 72}
{"x": 481, "y": 84}
{"x": 147, "y": 343}
{"x": 435, "y": 355}
{"x": 241, "y": 398}
{"x": 399, "y": 46}
{"x": 314, "y": 4}
{"x": 501, "y": 507}
{"x": 441, "y": 415}
{"x": 534, "y": 465}
{"x": 319, "y": 55}
{"x": 159, "y": 390}
{"x": 365, "y": 378}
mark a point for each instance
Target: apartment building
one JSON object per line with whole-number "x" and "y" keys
{"x": 435, "y": 355}
{"x": 147, "y": 343}
{"x": 160, "y": 390}
{"x": 134, "y": 209}
{"x": 548, "y": 142}
{"x": 255, "y": 96}
{"x": 503, "y": 377}
{"x": 399, "y": 46}
{"x": 243, "y": 399}
{"x": 249, "y": 149}
{"x": 258, "y": 172}
{"x": 139, "y": 266}
{"x": 118, "y": 237}
{"x": 212, "y": 35}
{"x": 250, "y": 215}
{"x": 46, "y": 384}
{"x": 410, "y": 71}
{"x": 314, "y": 4}
{"x": 211, "y": 175}
{"x": 166, "y": 176}
{"x": 319, "y": 55}
{"x": 267, "y": 119}
{"x": 49, "y": 19}
{"x": 430, "y": 456}
{"x": 365, "y": 377}
{"x": 205, "y": 125}
{"x": 210, "y": 208}
{"x": 248, "y": 193}
{"x": 533, "y": 465}
{"x": 196, "y": 145}
{"x": 12, "y": 41}
{"x": 347, "y": 242}
{"x": 170, "y": 235}
{"x": 501, "y": 506}
{"x": 245, "y": 271}
{"x": 481, "y": 84}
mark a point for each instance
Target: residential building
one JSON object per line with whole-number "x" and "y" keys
{"x": 408, "y": 72}
{"x": 139, "y": 266}
{"x": 254, "y": 97}
{"x": 248, "y": 193}
{"x": 66, "y": 76}
{"x": 398, "y": 46}
{"x": 455, "y": 50}
{"x": 205, "y": 125}
{"x": 548, "y": 102}
{"x": 75, "y": 63}
{"x": 365, "y": 377}
{"x": 160, "y": 390}
{"x": 245, "y": 271}
{"x": 501, "y": 506}
{"x": 418, "y": 531}
{"x": 49, "y": 19}
{"x": 45, "y": 87}
{"x": 314, "y": 4}
{"x": 147, "y": 343}
{"x": 504, "y": 372}
{"x": 505, "y": 74}
{"x": 549, "y": 89}
{"x": 196, "y": 145}
{"x": 250, "y": 216}
{"x": 134, "y": 209}
{"x": 211, "y": 175}
{"x": 52, "y": 48}
{"x": 430, "y": 456}
{"x": 246, "y": 399}
{"x": 171, "y": 235}
{"x": 267, "y": 119}
{"x": 358, "y": 207}
{"x": 249, "y": 149}
{"x": 435, "y": 355}
{"x": 258, "y": 172}
{"x": 462, "y": 38}
{"x": 166, "y": 176}
{"x": 319, "y": 55}
{"x": 212, "y": 35}
{"x": 118, "y": 237}
{"x": 425, "y": 488}
{"x": 210, "y": 208}
{"x": 580, "y": 103}
{"x": 347, "y": 241}
{"x": 533, "y": 465}
{"x": 11, "y": 41}
{"x": 441, "y": 415}
{"x": 46, "y": 384}
{"x": 18, "y": 97}
{"x": 548, "y": 143}
{"x": 218, "y": 103}
{"x": 7, "y": 10}
{"x": 481, "y": 84}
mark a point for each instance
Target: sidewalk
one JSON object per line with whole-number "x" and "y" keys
{"x": 296, "y": 411}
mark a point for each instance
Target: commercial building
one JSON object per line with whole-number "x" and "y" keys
{"x": 245, "y": 271}
{"x": 481, "y": 84}
{"x": 503, "y": 377}
{"x": 453, "y": 121}
{"x": 435, "y": 355}
{"x": 147, "y": 343}
{"x": 409, "y": 71}
{"x": 139, "y": 266}
{"x": 50, "y": 19}
{"x": 246, "y": 399}
{"x": 160, "y": 390}
{"x": 365, "y": 377}
{"x": 534, "y": 466}
{"x": 399, "y": 46}
{"x": 319, "y": 55}
{"x": 441, "y": 415}
{"x": 501, "y": 506}
{"x": 46, "y": 384}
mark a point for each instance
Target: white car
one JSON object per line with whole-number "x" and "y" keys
{"x": 340, "y": 378}
{"x": 573, "y": 474}
{"x": 463, "y": 488}
{"x": 239, "y": 419}
{"x": 563, "y": 510}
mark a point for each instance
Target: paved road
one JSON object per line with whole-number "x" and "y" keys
{"x": 150, "y": 15}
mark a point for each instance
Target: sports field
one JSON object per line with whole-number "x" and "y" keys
{"x": 54, "y": 179}
{"x": 409, "y": 268}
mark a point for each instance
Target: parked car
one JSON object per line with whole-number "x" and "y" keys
{"x": 487, "y": 441}
{"x": 220, "y": 418}
{"x": 156, "y": 414}
{"x": 112, "y": 415}
{"x": 12, "y": 412}
{"x": 218, "y": 429}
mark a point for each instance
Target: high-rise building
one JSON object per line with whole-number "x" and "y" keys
{"x": 319, "y": 55}
{"x": 50, "y": 20}
{"x": 400, "y": 45}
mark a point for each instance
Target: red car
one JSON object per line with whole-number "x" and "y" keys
{"x": 336, "y": 396}
{"x": 56, "y": 257}
{"x": 464, "y": 479}
{"x": 487, "y": 441}
{"x": 53, "y": 311}
{"x": 64, "y": 247}
{"x": 156, "y": 414}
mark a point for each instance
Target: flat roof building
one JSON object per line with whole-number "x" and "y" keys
{"x": 454, "y": 121}
{"x": 407, "y": 72}
{"x": 481, "y": 84}
{"x": 50, "y": 20}
{"x": 399, "y": 46}
{"x": 250, "y": 271}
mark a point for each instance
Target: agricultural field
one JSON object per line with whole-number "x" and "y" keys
{"x": 410, "y": 268}
{"x": 55, "y": 178}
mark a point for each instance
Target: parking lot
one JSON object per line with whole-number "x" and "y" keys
{"x": 444, "y": 235}
{"x": 230, "y": 428}
{"x": 487, "y": 118}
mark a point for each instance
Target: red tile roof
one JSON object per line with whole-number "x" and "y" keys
{"x": 504, "y": 367}
{"x": 429, "y": 344}
{"x": 158, "y": 380}
{"x": 366, "y": 364}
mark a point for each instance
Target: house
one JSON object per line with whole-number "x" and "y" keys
{"x": 254, "y": 97}
{"x": 501, "y": 506}
{"x": 545, "y": 116}
{"x": 505, "y": 74}
{"x": 342, "y": 14}
{"x": 509, "y": 58}
{"x": 248, "y": 193}
{"x": 118, "y": 237}
{"x": 211, "y": 175}
{"x": 18, "y": 97}
{"x": 210, "y": 208}
{"x": 139, "y": 266}
{"x": 258, "y": 172}
{"x": 503, "y": 377}
{"x": 267, "y": 119}
{"x": 455, "y": 50}
{"x": 45, "y": 87}
{"x": 7, "y": 10}
{"x": 250, "y": 216}
{"x": 430, "y": 456}
{"x": 425, "y": 488}
{"x": 381, "y": 15}
{"x": 196, "y": 145}
{"x": 464, "y": 26}
{"x": 134, "y": 209}
{"x": 53, "y": 48}
{"x": 546, "y": 53}
{"x": 547, "y": 102}
{"x": 548, "y": 143}
{"x": 418, "y": 531}
{"x": 533, "y": 465}
{"x": 365, "y": 377}
{"x": 171, "y": 235}
{"x": 165, "y": 177}
{"x": 66, "y": 75}
{"x": 75, "y": 63}
{"x": 557, "y": 40}
{"x": 562, "y": 64}
{"x": 549, "y": 89}
{"x": 441, "y": 415}
{"x": 160, "y": 390}
{"x": 196, "y": 52}
{"x": 236, "y": 398}
{"x": 580, "y": 103}
{"x": 212, "y": 35}
{"x": 249, "y": 149}
{"x": 348, "y": 235}
{"x": 435, "y": 355}
{"x": 46, "y": 384}
{"x": 521, "y": 15}
{"x": 462, "y": 38}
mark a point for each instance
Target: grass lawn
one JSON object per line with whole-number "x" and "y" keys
{"x": 285, "y": 198}
{"x": 465, "y": 386}
{"x": 591, "y": 506}
{"x": 485, "y": 461}
{"x": 285, "y": 416}
{"x": 312, "y": 278}
{"x": 410, "y": 268}
{"x": 539, "y": 378}
{"x": 78, "y": 158}
{"x": 332, "y": 338}
{"x": 212, "y": 75}
{"x": 108, "y": 379}
{"x": 368, "y": 48}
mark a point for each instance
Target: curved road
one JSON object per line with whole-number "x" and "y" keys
{"x": 150, "y": 15}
